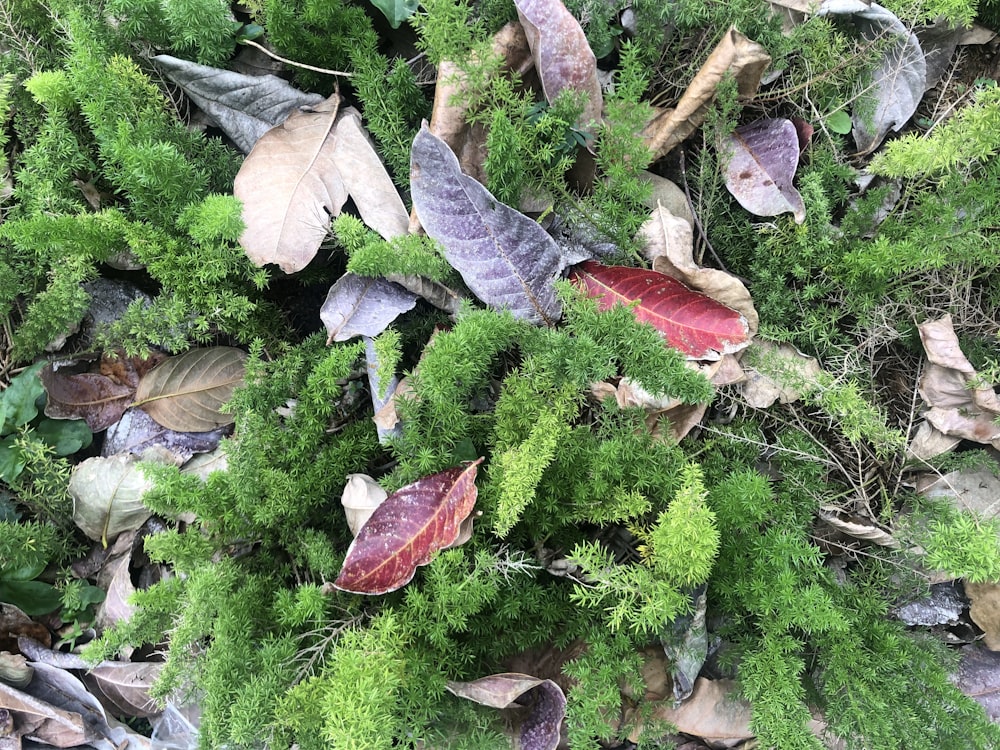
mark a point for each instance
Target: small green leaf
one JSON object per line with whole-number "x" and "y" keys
{"x": 249, "y": 32}
{"x": 396, "y": 11}
{"x": 839, "y": 122}
{"x": 67, "y": 436}
{"x": 31, "y": 597}
{"x": 20, "y": 398}
{"x": 27, "y": 572}
{"x": 11, "y": 460}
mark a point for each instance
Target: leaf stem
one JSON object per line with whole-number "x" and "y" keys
{"x": 285, "y": 60}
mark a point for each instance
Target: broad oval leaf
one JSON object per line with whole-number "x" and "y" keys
{"x": 763, "y": 156}
{"x": 546, "y": 702}
{"x": 406, "y": 530}
{"x": 91, "y": 396}
{"x": 561, "y": 53}
{"x": 362, "y": 306}
{"x": 300, "y": 174}
{"x": 185, "y": 393}
{"x": 244, "y": 107}
{"x": 123, "y": 687}
{"x": 505, "y": 258}
{"x": 696, "y": 325}
{"x": 107, "y": 496}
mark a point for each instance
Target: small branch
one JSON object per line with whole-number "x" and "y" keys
{"x": 293, "y": 63}
{"x": 694, "y": 214}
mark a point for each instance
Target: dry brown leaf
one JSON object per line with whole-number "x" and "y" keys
{"x": 123, "y": 687}
{"x": 715, "y": 711}
{"x": 856, "y": 527}
{"x": 41, "y": 721}
{"x": 186, "y": 393}
{"x": 299, "y": 175}
{"x": 796, "y": 372}
{"x": 957, "y": 409}
{"x": 15, "y": 624}
{"x": 669, "y": 243}
{"x": 985, "y": 610}
{"x": 971, "y": 490}
{"x": 667, "y": 194}
{"x": 728, "y": 371}
{"x": 734, "y": 55}
{"x": 928, "y": 442}
{"x": 116, "y": 580}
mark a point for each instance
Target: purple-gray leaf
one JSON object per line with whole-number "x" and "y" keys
{"x": 505, "y": 258}
{"x": 136, "y": 432}
{"x": 361, "y": 306}
{"x": 544, "y": 699}
{"x": 979, "y": 678}
{"x": 763, "y": 156}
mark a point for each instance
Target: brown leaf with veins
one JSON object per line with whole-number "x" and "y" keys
{"x": 777, "y": 372}
{"x": 956, "y": 407}
{"x": 734, "y": 55}
{"x": 668, "y": 242}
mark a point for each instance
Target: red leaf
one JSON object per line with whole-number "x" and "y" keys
{"x": 407, "y": 529}
{"x": 691, "y": 322}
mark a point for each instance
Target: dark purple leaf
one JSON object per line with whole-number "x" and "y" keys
{"x": 695, "y": 324}
{"x": 137, "y": 432}
{"x": 979, "y": 678}
{"x": 544, "y": 700}
{"x": 505, "y": 258}
{"x": 763, "y": 156}
{"x": 561, "y": 53}
{"x": 406, "y": 530}
{"x": 362, "y": 306}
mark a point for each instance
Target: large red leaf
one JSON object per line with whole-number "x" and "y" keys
{"x": 407, "y": 529}
{"x": 691, "y": 322}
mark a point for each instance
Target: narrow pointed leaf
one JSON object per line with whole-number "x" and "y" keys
{"x": 186, "y": 393}
{"x": 244, "y": 107}
{"x": 561, "y": 53}
{"x": 505, "y": 258}
{"x": 763, "y": 156}
{"x": 406, "y": 530}
{"x": 696, "y": 325}
{"x": 362, "y": 306}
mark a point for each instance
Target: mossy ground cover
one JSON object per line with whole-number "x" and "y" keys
{"x": 596, "y": 529}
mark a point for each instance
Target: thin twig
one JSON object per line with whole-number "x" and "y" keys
{"x": 279, "y": 58}
{"x": 694, "y": 213}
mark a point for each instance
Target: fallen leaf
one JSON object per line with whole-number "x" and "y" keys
{"x": 777, "y": 372}
{"x": 669, "y": 243}
{"x": 979, "y": 678}
{"x": 361, "y": 496}
{"x": 381, "y": 395}
{"x": 667, "y": 194}
{"x": 984, "y": 609}
{"x": 944, "y": 606}
{"x": 928, "y": 442}
{"x": 452, "y": 95}
{"x": 407, "y": 529}
{"x": 715, "y": 711}
{"x": 137, "y": 432}
{"x": 505, "y": 258}
{"x": 186, "y": 393}
{"x": 957, "y": 409}
{"x": 970, "y": 490}
{"x": 761, "y": 158}
{"x": 734, "y": 56}
{"x": 396, "y": 11}
{"x": 544, "y": 700}
{"x": 123, "y": 687}
{"x": 94, "y": 397}
{"x": 440, "y": 295}
{"x": 243, "y": 106}
{"x": 107, "y": 496}
{"x": 41, "y": 721}
{"x": 15, "y": 624}
{"x": 362, "y": 306}
{"x": 696, "y": 325}
{"x": 299, "y": 175}
{"x": 685, "y": 644}
{"x": 116, "y": 579}
{"x": 562, "y": 55}
{"x": 898, "y": 83}
{"x": 204, "y": 464}
{"x": 856, "y": 526}
{"x": 681, "y": 417}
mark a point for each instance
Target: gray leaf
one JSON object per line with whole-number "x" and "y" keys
{"x": 137, "y": 432}
{"x": 244, "y": 107}
{"x": 381, "y": 393}
{"x": 505, "y": 258}
{"x": 898, "y": 83}
{"x": 360, "y": 306}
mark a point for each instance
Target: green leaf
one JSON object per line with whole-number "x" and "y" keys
{"x": 396, "y": 11}
{"x": 20, "y": 398}
{"x": 67, "y": 436}
{"x": 11, "y": 460}
{"x": 839, "y": 122}
{"x": 27, "y": 572}
{"x": 31, "y": 597}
